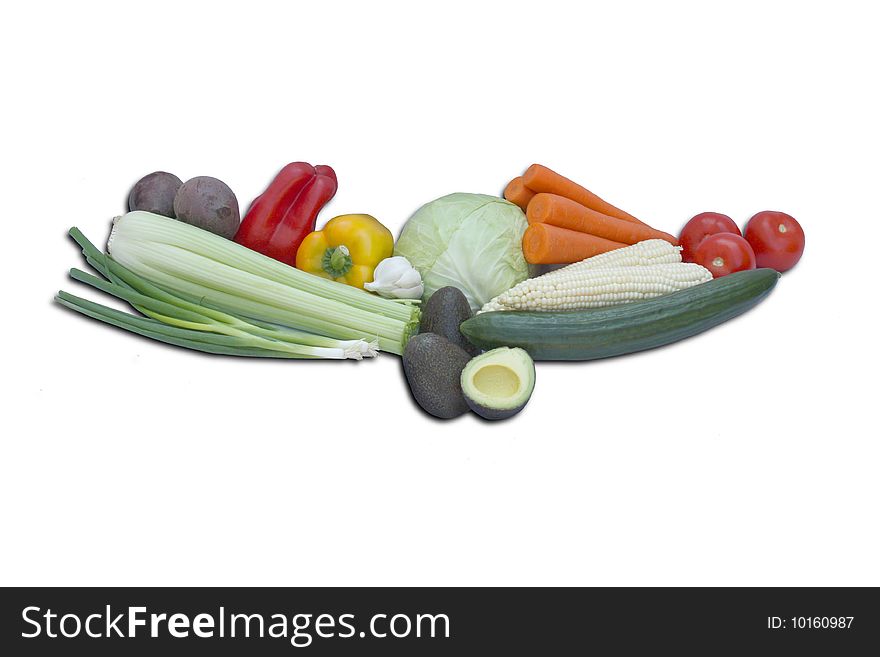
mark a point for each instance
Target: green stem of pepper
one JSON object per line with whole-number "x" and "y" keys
{"x": 336, "y": 261}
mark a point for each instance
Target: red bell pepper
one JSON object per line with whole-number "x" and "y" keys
{"x": 279, "y": 218}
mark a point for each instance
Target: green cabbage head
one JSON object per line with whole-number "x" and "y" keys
{"x": 469, "y": 241}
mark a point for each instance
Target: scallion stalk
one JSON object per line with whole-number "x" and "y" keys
{"x": 178, "y": 312}
{"x": 197, "y": 340}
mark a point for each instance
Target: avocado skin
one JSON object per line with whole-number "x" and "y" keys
{"x": 444, "y": 312}
{"x": 432, "y": 366}
{"x": 493, "y": 413}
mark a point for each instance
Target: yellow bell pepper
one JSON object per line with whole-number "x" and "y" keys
{"x": 346, "y": 250}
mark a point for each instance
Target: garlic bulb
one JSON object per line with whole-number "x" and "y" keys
{"x": 396, "y": 278}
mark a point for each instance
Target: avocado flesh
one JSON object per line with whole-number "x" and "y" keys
{"x": 498, "y": 384}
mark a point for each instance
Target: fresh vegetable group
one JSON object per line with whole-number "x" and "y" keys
{"x": 457, "y": 295}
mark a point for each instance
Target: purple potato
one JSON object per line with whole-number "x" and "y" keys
{"x": 155, "y": 193}
{"x": 209, "y": 204}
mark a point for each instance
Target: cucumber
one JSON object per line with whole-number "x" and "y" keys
{"x": 617, "y": 330}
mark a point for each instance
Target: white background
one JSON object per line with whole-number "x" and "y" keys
{"x": 747, "y": 455}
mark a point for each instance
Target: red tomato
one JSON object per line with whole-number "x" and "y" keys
{"x": 778, "y": 240}
{"x": 699, "y": 228}
{"x": 725, "y": 253}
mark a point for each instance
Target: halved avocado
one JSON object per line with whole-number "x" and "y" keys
{"x": 498, "y": 383}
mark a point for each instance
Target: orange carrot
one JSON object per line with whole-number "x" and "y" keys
{"x": 516, "y": 192}
{"x": 565, "y": 213}
{"x": 549, "y": 245}
{"x": 539, "y": 178}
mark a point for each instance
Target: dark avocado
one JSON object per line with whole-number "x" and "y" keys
{"x": 432, "y": 365}
{"x": 442, "y": 314}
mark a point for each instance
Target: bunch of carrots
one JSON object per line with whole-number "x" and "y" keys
{"x": 568, "y": 223}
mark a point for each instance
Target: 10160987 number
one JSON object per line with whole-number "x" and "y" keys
{"x": 810, "y": 622}
{"x": 821, "y": 622}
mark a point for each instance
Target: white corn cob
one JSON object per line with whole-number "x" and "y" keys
{"x": 596, "y": 288}
{"x": 647, "y": 252}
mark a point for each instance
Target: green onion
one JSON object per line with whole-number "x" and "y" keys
{"x": 197, "y": 340}
{"x": 178, "y": 312}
